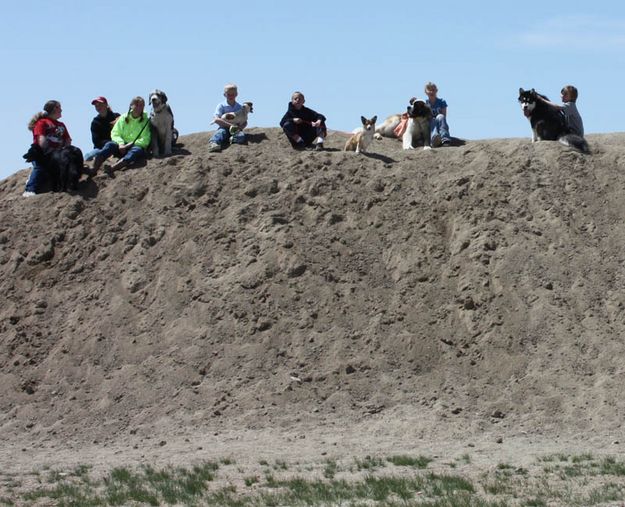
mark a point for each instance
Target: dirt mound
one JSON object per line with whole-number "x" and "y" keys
{"x": 457, "y": 288}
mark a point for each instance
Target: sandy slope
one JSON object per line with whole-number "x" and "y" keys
{"x": 266, "y": 295}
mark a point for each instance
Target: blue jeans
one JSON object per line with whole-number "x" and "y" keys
{"x": 438, "y": 126}
{"x": 91, "y": 154}
{"x": 134, "y": 154}
{"x": 222, "y": 137}
{"x": 37, "y": 177}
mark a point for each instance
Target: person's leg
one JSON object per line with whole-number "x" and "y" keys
{"x": 443, "y": 128}
{"x": 320, "y": 136}
{"x": 91, "y": 154}
{"x": 292, "y": 133}
{"x": 219, "y": 139}
{"x": 238, "y": 137}
{"x": 35, "y": 180}
{"x": 110, "y": 148}
{"x": 134, "y": 154}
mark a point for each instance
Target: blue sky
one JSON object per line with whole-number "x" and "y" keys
{"x": 349, "y": 58}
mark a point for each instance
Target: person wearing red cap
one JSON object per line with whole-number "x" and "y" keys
{"x": 101, "y": 125}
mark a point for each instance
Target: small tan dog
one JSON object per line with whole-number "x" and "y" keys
{"x": 362, "y": 136}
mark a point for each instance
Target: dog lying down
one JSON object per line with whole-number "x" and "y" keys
{"x": 414, "y": 132}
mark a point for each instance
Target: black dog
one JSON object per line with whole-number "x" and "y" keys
{"x": 63, "y": 167}
{"x": 548, "y": 123}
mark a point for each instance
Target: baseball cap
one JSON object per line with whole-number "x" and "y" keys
{"x": 100, "y": 99}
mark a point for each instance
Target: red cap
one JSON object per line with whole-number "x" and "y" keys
{"x": 101, "y": 100}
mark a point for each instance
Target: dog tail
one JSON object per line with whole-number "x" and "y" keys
{"x": 576, "y": 142}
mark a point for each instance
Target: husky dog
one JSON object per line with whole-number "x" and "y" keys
{"x": 164, "y": 135}
{"x": 362, "y": 136}
{"x": 547, "y": 122}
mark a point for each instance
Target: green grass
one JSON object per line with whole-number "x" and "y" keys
{"x": 572, "y": 481}
{"x": 410, "y": 461}
{"x": 369, "y": 463}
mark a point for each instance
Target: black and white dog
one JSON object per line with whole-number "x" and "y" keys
{"x": 64, "y": 166}
{"x": 547, "y": 122}
{"x": 164, "y": 135}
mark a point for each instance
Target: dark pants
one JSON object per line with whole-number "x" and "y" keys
{"x": 307, "y": 132}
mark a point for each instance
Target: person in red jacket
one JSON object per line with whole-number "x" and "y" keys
{"x": 49, "y": 134}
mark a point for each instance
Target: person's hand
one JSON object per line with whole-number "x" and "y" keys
{"x": 297, "y": 121}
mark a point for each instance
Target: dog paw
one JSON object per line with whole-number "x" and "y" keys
{"x": 427, "y": 148}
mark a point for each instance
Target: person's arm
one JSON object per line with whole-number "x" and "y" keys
{"x": 548, "y": 102}
{"x": 217, "y": 119}
{"x": 117, "y": 132}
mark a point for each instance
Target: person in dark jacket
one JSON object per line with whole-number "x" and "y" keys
{"x": 303, "y": 126}
{"x": 101, "y": 125}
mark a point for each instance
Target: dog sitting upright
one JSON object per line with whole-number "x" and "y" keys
{"x": 362, "y": 136}
{"x": 547, "y": 122}
{"x": 164, "y": 135}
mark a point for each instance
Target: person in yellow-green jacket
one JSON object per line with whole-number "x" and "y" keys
{"x": 130, "y": 138}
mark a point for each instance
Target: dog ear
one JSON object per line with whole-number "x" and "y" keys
{"x": 413, "y": 100}
{"x": 521, "y": 90}
{"x": 164, "y": 97}
{"x": 363, "y": 120}
{"x": 374, "y": 119}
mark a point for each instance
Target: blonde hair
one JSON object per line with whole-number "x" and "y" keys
{"x": 48, "y": 109}
{"x": 430, "y": 86}
{"x": 134, "y": 101}
{"x": 571, "y": 91}
{"x": 230, "y": 87}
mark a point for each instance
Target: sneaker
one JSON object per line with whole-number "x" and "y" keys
{"x": 446, "y": 142}
{"x": 213, "y": 147}
{"x": 436, "y": 141}
{"x": 319, "y": 147}
{"x": 28, "y": 193}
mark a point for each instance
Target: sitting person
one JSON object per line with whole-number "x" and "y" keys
{"x": 303, "y": 126}
{"x": 572, "y": 118}
{"x": 130, "y": 138}
{"x": 439, "y": 129}
{"x": 101, "y": 125}
{"x": 227, "y": 132}
{"x": 49, "y": 134}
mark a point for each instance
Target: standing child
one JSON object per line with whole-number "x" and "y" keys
{"x": 439, "y": 129}
{"x": 227, "y": 132}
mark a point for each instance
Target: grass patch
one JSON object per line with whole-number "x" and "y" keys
{"x": 410, "y": 461}
{"x": 369, "y": 463}
{"x": 577, "y": 481}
